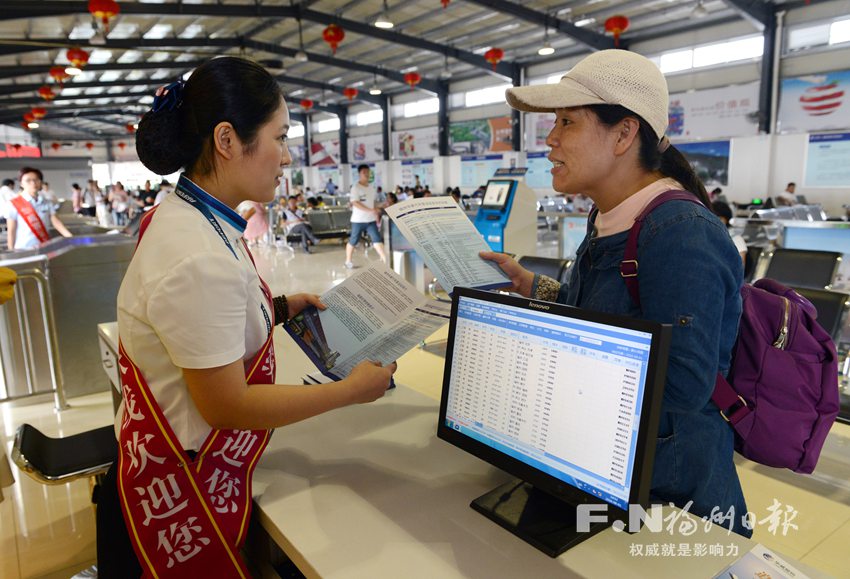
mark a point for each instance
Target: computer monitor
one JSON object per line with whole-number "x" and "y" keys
{"x": 497, "y": 193}
{"x": 567, "y": 400}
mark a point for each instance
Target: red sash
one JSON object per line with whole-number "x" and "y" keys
{"x": 187, "y": 518}
{"x": 31, "y": 218}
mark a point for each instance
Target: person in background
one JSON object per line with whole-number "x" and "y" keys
{"x": 582, "y": 203}
{"x": 196, "y": 326}
{"x": 608, "y": 142}
{"x": 392, "y": 199}
{"x": 120, "y": 200}
{"x": 479, "y": 193}
{"x": 7, "y": 191}
{"x": 257, "y": 216}
{"x": 455, "y": 194}
{"x": 320, "y": 203}
{"x": 714, "y": 193}
{"x": 364, "y": 213}
{"x": 787, "y": 197}
{"x": 28, "y": 214}
{"x": 48, "y": 194}
{"x": 330, "y": 187}
{"x": 164, "y": 189}
{"x": 312, "y": 203}
{"x": 76, "y": 198}
{"x": 296, "y": 224}
{"x": 724, "y": 214}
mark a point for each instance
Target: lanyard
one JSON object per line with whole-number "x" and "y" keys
{"x": 186, "y": 195}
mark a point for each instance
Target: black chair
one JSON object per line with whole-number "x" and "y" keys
{"x": 553, "y": 267}
{"x": 61, "y": 460}
{"x": 832, "y": 308}
{"x": 754, "y": 253}
{"x": 803, "y": 268}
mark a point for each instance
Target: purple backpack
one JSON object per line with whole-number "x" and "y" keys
{"x": 781, "y": 396}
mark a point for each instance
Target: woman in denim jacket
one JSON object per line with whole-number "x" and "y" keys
{"x": 608, "y": 143}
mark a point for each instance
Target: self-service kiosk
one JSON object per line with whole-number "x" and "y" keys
{"x": 508, "y": 215}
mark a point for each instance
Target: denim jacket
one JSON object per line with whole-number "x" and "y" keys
{"x": 689, "y": 275}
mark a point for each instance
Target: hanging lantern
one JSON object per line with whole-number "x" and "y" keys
{"x": 58, "y": 74}
{"x": 121, "y": 145}
{"x": 412, "y": 78}
{"x": 55, "y": 146}
{"x": 28, "y": 117}
{"x": 616, "y": 25}
{"x": 25, "y": 125}
{"x": 131, "y": 128}
{"x": 494, "y": 56}
{"x": 77, "y": 57}
{"x": 38, "y": 112}
{"x": 46, "y": 93}
{"x": 445, "y": 3}
{"x": 350, "y": 92}
{"x": 103, "y": 10}
{"x": 89, "y": 146}
{"x": 333, "y": 35}
{"x": 306, "y": 104}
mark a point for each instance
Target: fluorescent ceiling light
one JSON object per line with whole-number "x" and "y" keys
{"x": 383, "y": 22}
{"x": 301, "y": 56}
{"x": 73, "y": 70}
{"x": 585, "y": 21}
{"x": 375, "y": 90}
{"x": 32, "y": 125}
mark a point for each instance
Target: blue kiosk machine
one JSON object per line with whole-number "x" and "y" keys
{"x": 508, "y": 215}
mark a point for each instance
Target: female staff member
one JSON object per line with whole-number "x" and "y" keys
{"x": 28, "y": 214}
{"x": 195, "y": 323}
{"x": 608, "y": 143}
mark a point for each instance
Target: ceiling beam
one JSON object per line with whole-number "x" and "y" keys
{"x": 13, "y": 117}
{"x": 26, "y": 70}
{"x": 586, "y": 37}
{"x": 756, "y": 12}
{"x": 13, "y": 46}
{"x": 16, "y": 9}
{"x": 19, "y": 88}
{"x": 363, "y": 95}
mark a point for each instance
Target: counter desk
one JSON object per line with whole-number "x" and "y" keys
{"x": 370, "y": 491}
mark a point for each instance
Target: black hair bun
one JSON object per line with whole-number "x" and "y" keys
{"x": 158, "y": 142}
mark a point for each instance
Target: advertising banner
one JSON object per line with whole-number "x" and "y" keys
{"x": 324, "y": 153}
{"x": 416, "y": 143}
{"x": 365, "y": 148}
{"x": 476, "y": 170}
{"x": 424, "y": 168}
{"x": 537, "y": 128}
{"x": 730, "y": 111}
{"x": 815, "y": 103}
{"x": 481, "y": 136}
{"x": 710, "y": 160}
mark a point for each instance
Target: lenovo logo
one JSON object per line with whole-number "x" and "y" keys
{"x": 537, "y": 306}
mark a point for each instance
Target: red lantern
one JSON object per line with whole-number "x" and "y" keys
{"x": 55, "y": 146}
{"x": 46, "y": 93}
{"x": 28, "y": 117}
{"x": 333, "y": 35}
{"x": 25, "y": 125}
{"x": 104, "y": 10}
{"x": 494, "y": 56}
{"x": 78, "y": 57}
{"x": 306, "y": 104}
{"x": 412, "y": 78}
{"x": 445, "y": 3}
{"x": 58, "y": 74}
{"x": 617, "y": 25}
{"x": 131, "y": 128}
{"x": 350, "y": 92}
{"x": 38, "y": 112}
{"x": 17, "y": 146}
{"x": 121, "y": 145}
{"x": 89, "y": 146}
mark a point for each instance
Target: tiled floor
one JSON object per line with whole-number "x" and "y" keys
{"x": 49, "y": 531}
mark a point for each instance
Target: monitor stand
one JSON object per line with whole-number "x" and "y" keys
{"x": 536, "y": 517}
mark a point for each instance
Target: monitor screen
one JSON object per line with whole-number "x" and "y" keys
{"x": 497, "y": 193}
{"x": 555, "y": 394}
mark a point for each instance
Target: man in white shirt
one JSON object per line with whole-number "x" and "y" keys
{"x": 7, "y": 191}
{"x": 364, "y": 216}
{"x": 787, "y": 197}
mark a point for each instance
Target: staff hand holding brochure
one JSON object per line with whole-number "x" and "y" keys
{"x": 373, "y": 315}
{"x": 447, "y": 242}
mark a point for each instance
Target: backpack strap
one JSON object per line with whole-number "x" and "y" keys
{"x": 724, "y": 396}
{"x": 629, "y": 265}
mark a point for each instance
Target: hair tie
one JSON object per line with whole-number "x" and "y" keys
{"x": 663, "y": 144}
{"x": 170, "y": 99}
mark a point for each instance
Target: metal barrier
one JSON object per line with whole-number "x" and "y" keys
{"x": 49, "y": 326}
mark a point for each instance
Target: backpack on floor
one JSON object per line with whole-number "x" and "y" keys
{"x": 781, "y": 395}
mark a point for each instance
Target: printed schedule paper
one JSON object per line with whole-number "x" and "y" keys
{"x": 447, "y": 242}
{"x": 373, "y": 315}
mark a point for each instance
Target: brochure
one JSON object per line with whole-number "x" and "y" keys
{"x": 760, "y": 562}
{"x": 372, "y": 315}
{"x": 447, "y": 242}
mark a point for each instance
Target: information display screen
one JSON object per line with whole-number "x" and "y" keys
{"x": 497, "y": 193}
